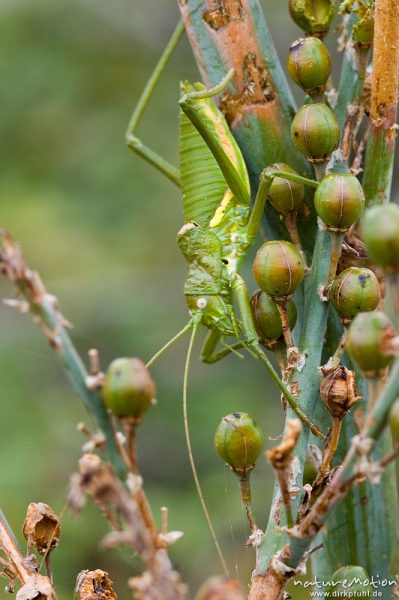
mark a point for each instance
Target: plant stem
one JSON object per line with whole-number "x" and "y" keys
{"x": 246, "y": 497}
{"x": 283, "y": 312}
{"x": 46, "y": 315}
{"x": 332, "y": 445}
{"x": 384, "y": 90}
{"x": 258, "y": 104}
{"x": 336, "y": 246}
{"x": 305, "y": 532}
{"x": 307, "y": 382}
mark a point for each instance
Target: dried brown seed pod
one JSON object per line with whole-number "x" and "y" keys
{"x": 338, "y": 391}
{"x": 41, "y": 527}
{"x": 94, "y": 585}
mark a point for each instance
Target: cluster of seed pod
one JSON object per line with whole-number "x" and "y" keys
{"x": 355, "y": 293}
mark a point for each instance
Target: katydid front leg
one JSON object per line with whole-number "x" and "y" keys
{"x": 134, "y": 143}
{"x": 241, "y": 294}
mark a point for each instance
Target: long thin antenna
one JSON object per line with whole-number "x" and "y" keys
{"x": 170, "y": 343}
{"x": 190, "y": 452}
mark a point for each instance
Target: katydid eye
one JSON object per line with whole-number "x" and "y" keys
{"x": 202, "y": 303}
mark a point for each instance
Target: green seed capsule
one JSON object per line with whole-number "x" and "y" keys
{"x": 363, "y": 31}
{"x": 355, "y": 290}
{"x": 128, "y": 389}
{"x": 239, "y": 441}
{"x": 315, "y": 131}
{"x": 278, "y": 269}
{"x": 350, "y": 582}
{"x": 309, "y": 65}
{"x": 369, "y": 340}
{"x": 285, "y": 195}
{"x": 267, "y": 318}
{"x": 313, "y": 16}
{"x": 339, "y": 201}
{"x": 394, "y": 421}
{"x": 380, "y": 231}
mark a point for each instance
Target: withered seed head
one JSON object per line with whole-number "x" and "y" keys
{"x": 94, "y": 585}
{"x": 338, "y": 391}
{"x": 41, "y": 527}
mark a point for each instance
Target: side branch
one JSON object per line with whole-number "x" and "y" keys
{"x": 43, "y": 307}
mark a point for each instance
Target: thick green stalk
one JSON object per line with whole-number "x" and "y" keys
{"x": 302, "y": 537}
{"x": 384, "y": 98}
{"x": 307, "y": 383}
{"x": 364, "y": 528}
{"x": 258, "y": 103}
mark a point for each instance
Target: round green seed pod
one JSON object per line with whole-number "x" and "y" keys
{"x": 355, "y": 290}
{"x": 267, "y": 318}
{"x": 313, "y": 16}
{"x": 128, "y": 390}
{"x": 309, "y": 64}
{"x": 394, "y": 421}
{"x": 315, "y": 131}
{"x": 380, "y": 232}
{"x": 239, "y": 441}
{"x": 356, "y": 582}
{"x": 278, "y": 269}
{"x": 339, "y": 201}
{"x": 285, "y": 195}
{"x": 368, "y": 344}
{"x": 363, "y": 31}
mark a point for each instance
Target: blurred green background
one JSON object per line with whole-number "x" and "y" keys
{"x": 100, "y": 226}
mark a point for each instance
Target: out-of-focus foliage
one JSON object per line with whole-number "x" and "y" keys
{"x": 100, "y": 227}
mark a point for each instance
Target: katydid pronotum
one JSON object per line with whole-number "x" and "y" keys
{"x": 220, "y": 225}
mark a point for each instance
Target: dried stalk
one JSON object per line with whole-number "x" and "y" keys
{"x": 33, "y": 584}
{"x": 160, "y": 581}
{"x": 43, "y": 307}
